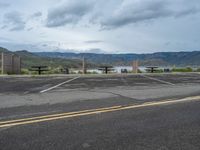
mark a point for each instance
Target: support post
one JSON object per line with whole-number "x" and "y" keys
{"x": 2, "y": 63}
{"x": 84, "y": 66}
{"x": 20, "y": 65}
{"x": 12, "y": 63}
{"x": 135, "y": 66}
{"x": 106, "y": 70}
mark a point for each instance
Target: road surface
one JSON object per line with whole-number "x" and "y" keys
{"x": 112, "y": 112}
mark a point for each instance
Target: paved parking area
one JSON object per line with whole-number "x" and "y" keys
{"x": 23, "y": 85}
{"x": 26, "y": 85}
{"x": 187, "y": 78}
{"x": 124, "y": 88}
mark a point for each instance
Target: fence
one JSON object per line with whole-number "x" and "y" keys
{"x": 10, "y": 63}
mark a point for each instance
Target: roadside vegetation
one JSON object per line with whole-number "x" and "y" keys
{"x": 187, "y": 69}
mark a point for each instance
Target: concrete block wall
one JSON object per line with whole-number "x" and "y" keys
{"x": 16, "y": 64}
{"x": 10, "y": 64}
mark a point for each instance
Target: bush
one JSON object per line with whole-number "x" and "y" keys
{"x": 159, "y": 71}
{"x": 52, "y": 71}
{"x": 139, "y": 71}
{"x": 24, "y": 71}
{"x": 198, "y": 70}
{"x": 188, "y": 69}
{"x": 93, "y": 72}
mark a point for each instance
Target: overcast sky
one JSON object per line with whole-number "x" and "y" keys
{"x": 101, "y": 26}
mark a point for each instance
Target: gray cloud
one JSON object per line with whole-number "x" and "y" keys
{"x": 116, "y": 13}
{"x": 4, "y": 5}
{"x": 93, "y": 41}
{"x": 14, "y": 21}
{"x": 68, "y": 12}
{"x": 36, "y": 14}
{"x": 44, "y": 45}
{"x": 140, "y": 11}
{"x": 136, "y": 11}
{"x": 4, "y": 27}
{"x": 29, "y": 29}
{"x": 93, "y": 50}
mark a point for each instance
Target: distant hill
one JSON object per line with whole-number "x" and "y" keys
{"x": 3, "y": 49}
{"x": 30, "y": 59}
{"x": 159, "y": 59}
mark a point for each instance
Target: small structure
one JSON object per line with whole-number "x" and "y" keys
{"x": 167, "y": 70}
{"x": 39, "y": 69}
{"x": 151, "y": 69}
{"x": 65, "y": 70}
{"x": 10, "y": 63}
{"x": 106, "y": 69}
{"x": 124, "y": 71}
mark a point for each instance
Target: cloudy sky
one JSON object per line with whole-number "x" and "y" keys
{"x": 101, "y": 26}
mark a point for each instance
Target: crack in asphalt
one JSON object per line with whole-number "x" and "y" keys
{"x": 116, "y": 94}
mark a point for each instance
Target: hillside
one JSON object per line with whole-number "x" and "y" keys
{"x": 30, "y": 59}
{"x": 3, "y": 49}
{"x": 159, "y": 59}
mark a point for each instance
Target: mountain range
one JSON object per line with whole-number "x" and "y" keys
{"x": 74, "y": 60}
{"x": 158, "y": 59}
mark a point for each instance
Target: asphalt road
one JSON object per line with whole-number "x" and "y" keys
{"x": 157, "y": 126}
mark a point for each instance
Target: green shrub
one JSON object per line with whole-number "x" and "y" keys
{"x": 52, "y": 71}
{"x": 198, "y": 70}
{"x": 24, "y": 71}
{"x": 188, "y": 69}
{"x": 159, "y": 71}
{"x": 139, "y": 71}
{"x": 93, "y": 72}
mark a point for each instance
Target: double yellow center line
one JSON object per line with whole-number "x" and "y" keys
{"x": 44, "y": 118}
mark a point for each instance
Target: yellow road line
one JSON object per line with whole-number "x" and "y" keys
{"x": 90, "y": 112}
{"x": 56, "y": 115}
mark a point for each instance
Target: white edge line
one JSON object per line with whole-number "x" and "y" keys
{"x": 162, "y": 81}
{"x": 53, "y": 87}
